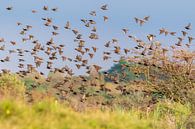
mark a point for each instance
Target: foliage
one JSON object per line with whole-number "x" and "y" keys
{"x": 10, "y": 84}
{"x": 118, "y": 70}
{"x": 161, "y": 80}
{"x": 32, "y": 84}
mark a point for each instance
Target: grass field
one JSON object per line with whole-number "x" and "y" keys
{"x": 50, "y": 114}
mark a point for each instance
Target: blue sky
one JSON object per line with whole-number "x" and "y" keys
{"x": 170, "y": 14}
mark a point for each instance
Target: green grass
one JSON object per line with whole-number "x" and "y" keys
{"x": 50, "y": 114}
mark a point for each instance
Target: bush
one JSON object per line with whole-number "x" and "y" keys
{"x": 11, "y": 85}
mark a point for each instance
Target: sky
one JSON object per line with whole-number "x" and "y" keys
{"x": 170, "y": 14}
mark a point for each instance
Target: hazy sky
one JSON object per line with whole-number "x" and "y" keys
{"x": 170, "y": 14}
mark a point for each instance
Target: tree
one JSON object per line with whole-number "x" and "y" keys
{"x": 124, "y": 72}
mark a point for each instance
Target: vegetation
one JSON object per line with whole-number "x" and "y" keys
{"x": 50, "y": 114}
{"x": 42, "y": 109}
{"x": 10, "y": 85}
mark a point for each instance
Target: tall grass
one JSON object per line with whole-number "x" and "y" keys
{"x": 50, "y": 114}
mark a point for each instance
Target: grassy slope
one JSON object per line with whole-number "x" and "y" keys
{"x": 16, "y": 114}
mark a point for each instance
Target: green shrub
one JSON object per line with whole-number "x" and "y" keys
{"x": 32, "y": 84}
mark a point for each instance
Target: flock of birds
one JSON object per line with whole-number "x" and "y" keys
{"x": 53, "y": 51}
